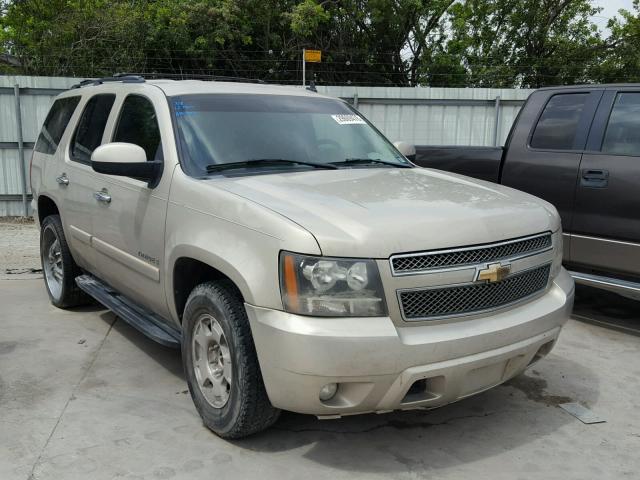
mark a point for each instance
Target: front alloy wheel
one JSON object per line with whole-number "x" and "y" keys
{"x": 221, "y": 364}
{"x": 211, "y": 360}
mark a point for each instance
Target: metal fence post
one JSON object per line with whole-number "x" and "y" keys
{"x": 355, "y": 100}
{"x": 496, "y": 122}
{"x": 23, "y": 173}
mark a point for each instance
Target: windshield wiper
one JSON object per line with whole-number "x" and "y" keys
{"x": 368, "y": 161}
{"x": 266, "y": 162}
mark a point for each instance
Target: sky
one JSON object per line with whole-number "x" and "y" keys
{"x": 610, "y": 9}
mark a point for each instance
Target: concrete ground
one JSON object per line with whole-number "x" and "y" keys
{"x": 84, "y": 396}
{"x": 19, "y": 252}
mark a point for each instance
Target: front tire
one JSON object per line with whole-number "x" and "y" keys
{"x": 58, "y": 267}
{"x": 221, "y": 364}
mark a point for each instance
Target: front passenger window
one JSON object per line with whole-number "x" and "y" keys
{"x": 138, "y": 124}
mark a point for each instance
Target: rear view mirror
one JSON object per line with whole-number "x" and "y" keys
{"x": 406, "y": 149}
{"x": 126, "y": 160}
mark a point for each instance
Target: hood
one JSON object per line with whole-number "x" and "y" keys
{"x": 377, "y": 212}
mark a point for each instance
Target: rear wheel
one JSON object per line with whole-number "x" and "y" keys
{"x": 221, "y": 364}
{"x": 58, "y": 266}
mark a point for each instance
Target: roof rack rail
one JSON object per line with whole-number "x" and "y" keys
{"x": 117, "y": 77}
{"x": 196, "y": 76}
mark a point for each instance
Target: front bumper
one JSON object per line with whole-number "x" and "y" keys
{"x": 380, "y": 366}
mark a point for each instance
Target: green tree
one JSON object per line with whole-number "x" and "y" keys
{"x": 620, "y": 62}
{"x": 528, "y": 43}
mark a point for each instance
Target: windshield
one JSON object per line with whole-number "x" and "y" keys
{"x": 216, "y": 129}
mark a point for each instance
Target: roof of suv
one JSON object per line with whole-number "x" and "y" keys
{"x": 186, "y": 87}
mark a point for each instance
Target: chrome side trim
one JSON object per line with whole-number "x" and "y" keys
{"x": 607, "y": 283}
{"x": 607, "y": 240}
{"x": 466, "y": 249}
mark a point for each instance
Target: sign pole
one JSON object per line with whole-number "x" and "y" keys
{"x": 304, "y": 73}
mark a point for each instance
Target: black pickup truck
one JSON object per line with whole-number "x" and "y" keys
{"x": 578, "y": 148}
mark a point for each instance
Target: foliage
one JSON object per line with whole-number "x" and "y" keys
{"x": 498, "y": 43}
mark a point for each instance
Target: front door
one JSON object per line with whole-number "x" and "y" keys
{"x": 606, "y": 224}
{"x": 129, "y": 233}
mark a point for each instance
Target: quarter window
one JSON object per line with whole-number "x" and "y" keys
{"x": 621, "y": 136}
{"x": 557, "y": 126}
{"x": 55, "y": 124}
{"x": 138, "y": 124}
{"x": 90, "y": 129}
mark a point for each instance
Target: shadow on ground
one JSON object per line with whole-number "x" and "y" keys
{"x": 607, "y": 309}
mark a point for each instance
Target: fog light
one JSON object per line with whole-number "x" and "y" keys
{"x": 328, "y": 391}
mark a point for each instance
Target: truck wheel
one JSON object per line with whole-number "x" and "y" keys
{"x": 58, "y": 266}
{"x": 221, "y": 364}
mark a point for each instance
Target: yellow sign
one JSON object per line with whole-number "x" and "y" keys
{"x": 313, "y": 56}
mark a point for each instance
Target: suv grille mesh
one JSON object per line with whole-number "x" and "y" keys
{"x": 403, "y": 264}
{"x": 465, "y": 299}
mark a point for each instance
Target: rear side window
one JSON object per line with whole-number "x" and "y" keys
{"x": 138, "y": 124}
{"x": 621, "y": 136}
{"x": 55, "y": 124}
{"x": 88, "y": 135}
{"x": 557, "y": 126}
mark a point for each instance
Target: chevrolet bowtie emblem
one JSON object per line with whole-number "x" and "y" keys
{"x": 493, "y": 273}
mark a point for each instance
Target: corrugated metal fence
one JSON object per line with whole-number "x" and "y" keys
{"x": 422, "y": 116}
{"x": 24, "y": 103}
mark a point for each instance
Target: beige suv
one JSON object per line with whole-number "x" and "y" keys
{"x": 299, "y": 260}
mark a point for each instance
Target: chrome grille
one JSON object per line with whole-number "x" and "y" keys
{"x": 405, "y": 264}
{"x": 472, "y": 298}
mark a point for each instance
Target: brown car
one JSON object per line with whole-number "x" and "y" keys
{"x": 577, "y": 147}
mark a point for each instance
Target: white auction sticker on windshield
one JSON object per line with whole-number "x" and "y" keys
{"x": 348, "y": 119}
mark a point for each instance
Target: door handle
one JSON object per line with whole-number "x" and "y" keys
{"x": 63, "y": 180}
{"x": 102, "y": 196}
{"x": 594, "y": 178}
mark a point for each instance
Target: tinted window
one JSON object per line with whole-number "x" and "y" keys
{"x": 138, "y": 124}
{"x": 622, "y": 136}
{"x": 558, "y": 123}
{"x": 90, "y": 129}
{"x": 55, "y": 124}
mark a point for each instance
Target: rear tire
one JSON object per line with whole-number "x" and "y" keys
{"x": 221, "y": 364}
{"x": 58, "y": 267}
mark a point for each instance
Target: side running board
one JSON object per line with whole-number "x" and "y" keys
{"x": 138, "y": 317}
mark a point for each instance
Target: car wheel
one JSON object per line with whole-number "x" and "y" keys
{"x": 221, "y": 364}
{"x": 58, "y": 267}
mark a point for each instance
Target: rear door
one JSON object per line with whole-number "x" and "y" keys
{"x": 77, "y": 179}
{"x": 606, "y": 224}
{"x": 129, "y": 237}
{"x": 546, "y": 147}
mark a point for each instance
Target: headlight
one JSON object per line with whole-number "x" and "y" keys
{"x": 331, "y": 287}
{"x": 557, "y": 253}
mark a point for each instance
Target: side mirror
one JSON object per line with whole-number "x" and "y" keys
{"x": 406, "y": 149}
{"x": 126, "y": 160}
